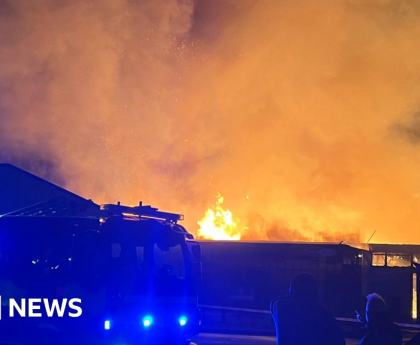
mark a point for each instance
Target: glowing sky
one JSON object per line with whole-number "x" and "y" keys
{"x": 308, "y": 108}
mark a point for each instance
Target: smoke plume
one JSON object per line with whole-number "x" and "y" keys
{"x": 302, "y": 114}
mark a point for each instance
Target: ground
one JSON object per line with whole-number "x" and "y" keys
{"x": 222, "y": 339}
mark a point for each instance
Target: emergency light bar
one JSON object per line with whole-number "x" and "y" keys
{"x": 141, "y": 211}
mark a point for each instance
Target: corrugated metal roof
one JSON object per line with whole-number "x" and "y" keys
{"x": 20, "y": 189}
{"x": 395, "y": 248}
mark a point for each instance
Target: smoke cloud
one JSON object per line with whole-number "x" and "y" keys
{"x": 303, "y": 115}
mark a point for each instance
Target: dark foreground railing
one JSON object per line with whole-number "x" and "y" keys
{"x": 259, "y": 322}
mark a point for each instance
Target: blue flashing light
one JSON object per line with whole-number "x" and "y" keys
{"x": 107, "y": 324}
{"x": 182, "y": 321}
{"x": 147, "y": 321}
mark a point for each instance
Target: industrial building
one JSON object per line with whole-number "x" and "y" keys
{"x": 251, "y": 274}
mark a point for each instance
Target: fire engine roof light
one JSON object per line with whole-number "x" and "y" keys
{"x": 147, "y": 321}
{"x": 141, "y": 211}
{"x": 107, "y": 324}
{"x": 183, "y": 321}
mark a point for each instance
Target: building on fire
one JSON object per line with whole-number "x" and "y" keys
{"x": 251, "y": 274}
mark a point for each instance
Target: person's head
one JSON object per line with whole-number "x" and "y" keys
{"x": 304, "y": 287}
{"x": 375, "y": 305}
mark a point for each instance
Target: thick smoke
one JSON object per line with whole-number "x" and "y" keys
{"x": 303, "y": 114}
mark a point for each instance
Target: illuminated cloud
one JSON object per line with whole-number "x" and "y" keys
{"x": 304, "y": 106}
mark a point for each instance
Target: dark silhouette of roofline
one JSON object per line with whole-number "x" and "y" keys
{"x": 40, "y": 179}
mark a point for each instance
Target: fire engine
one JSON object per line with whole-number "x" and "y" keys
{"x": 134, "y": 269}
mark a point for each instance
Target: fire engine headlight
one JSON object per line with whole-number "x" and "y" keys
{"x": 147, "y": 321}
{"x": 182, "y": 321}
{"x": 107, "y": 324}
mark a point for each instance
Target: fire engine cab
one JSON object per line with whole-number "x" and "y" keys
{"x": 135, "y": 271}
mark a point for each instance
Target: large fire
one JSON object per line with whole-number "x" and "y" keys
{"x": 311, "y": 108}
{"x": 218, "y": 223}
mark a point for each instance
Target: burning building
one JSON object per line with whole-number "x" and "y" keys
{"x": 250, "y": 274}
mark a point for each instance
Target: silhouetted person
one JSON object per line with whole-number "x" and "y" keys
{"x": 300, "y": 320}
{"x": 381, "y": 329}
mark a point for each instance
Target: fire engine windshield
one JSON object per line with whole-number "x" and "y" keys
{"x": 169, "y": 263}
{"x": 149, "y": 269}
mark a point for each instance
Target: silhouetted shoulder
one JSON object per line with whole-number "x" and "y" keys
{"x": 391, "y": 335}
{"x": 300, "y": 323}
{"x": 331, "y": 326}
{"x": 280, "y": 306}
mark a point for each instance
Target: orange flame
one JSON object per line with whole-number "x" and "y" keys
{"x": 218, "y": 224}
